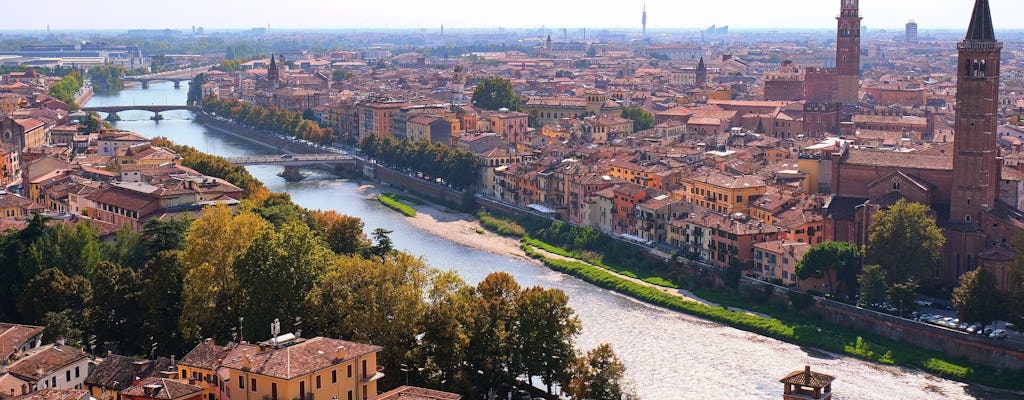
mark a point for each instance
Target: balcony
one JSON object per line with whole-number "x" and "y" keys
{"x": 370, "y": 378}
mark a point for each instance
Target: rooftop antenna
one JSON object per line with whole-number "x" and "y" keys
{"x": 275, "y": 331}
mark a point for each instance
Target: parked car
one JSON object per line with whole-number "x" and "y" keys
{"x": 521, "y": 395}
{"x": 923, "y": 303}
{"x": 998, "y": 334}
{"x": 974, "y": 328}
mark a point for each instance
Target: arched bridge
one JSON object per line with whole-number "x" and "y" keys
{"x": 145, "y": 81}
{"x": 154, "y": 109}
{"x": 112, "y": 111}
{"x": 292, "y": 162}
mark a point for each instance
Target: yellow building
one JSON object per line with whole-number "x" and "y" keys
{"x": 296, "y": 368}
{"x": 722, "y": 193}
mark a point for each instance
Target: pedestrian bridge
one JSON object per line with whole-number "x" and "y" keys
{"x": 293, "y": 160}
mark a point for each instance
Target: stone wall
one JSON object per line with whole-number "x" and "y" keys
{"x": 434, "y": 192}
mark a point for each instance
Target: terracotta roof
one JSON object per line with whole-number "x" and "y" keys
{"x": 160, "y": 388}
{"x": 807, "y": 378}
{"x": 117, "y": 372}
{"x": 204, "y": 355}
{"x": 416, "y": 393}
{"x": 56, "y": 394}
{"x": 299, "y": 359}
{"x": 899, "y": 160}
{"x": 126, "y": 199}
{"x": 48, "y": 359}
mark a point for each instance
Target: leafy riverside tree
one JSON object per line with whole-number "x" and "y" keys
{"x": 107, "y": 78}
{"x": 195, "y": 89}
{"x": 545, "y": 332}
{"x": 978, "y": 298}
{"x": 284, "y": 122}
{"x": 833, "y": 261}
{"x": 642, "y": 119}
{"x": 905, "y": 241}
{"x": 65, "y": 89}
{"x": 872, "y": 285}
{"x": 496, "y": 93}
{"x": 456, "y": 166}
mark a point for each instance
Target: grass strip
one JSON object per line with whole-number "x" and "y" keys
{"x": 391, "y": 201}
{"x": 796, "y": 329}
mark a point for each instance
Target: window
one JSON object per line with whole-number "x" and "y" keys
{"x": 302, "y": 390}
{"x": 252, "y": 385}
{"x": 76, "y": 372}
{"x": 67, "y": 375}
{"x": 364, "y": 392}
{"x": 273, "y": 390}
{"x": 350, "y": 370}
{"x": 53, "y": 381}
{"x": 318, "y": 381}
{"x": 364, "y": 370}
{"x": 349, "y": 395}
{"x": 334, "y": 376}
{"x": 241, "y": 383}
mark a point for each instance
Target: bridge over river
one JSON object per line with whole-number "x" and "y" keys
{"x": 292, "y": 162}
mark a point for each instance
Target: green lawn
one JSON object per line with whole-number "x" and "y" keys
{"x": 391, "y": 201}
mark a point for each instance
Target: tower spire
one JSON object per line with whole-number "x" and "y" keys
{"x": 643, "y": 21}
{"x": 981, "y": 24}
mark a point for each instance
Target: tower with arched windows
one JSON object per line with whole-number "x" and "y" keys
{"x": 848, "y": 52}
{"x": 976, "y": 166}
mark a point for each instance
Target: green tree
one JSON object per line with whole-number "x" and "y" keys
{"x": 496, "y": 93}
{"x": 230, "y": 65}
{"x": 872, "y": 285}
{"x": 159, "y": 302}
{"x": 112, "y": 313}
{"x": 905, "y": 241}
{"x": 445, "y": 326}
{"x": 546, "y": 331}
{"x": 53, "y": 291}
{"x": 340, "y": 306}
{"x": 491, "y": 348}
{"x": 127, "y": 249}
{"x": 978, "y": 298}
{"x": 642, "y": 119}
{"x": 598, "y": 375}
{"x": 107, "y": 78}
{"x": 75, "y": 250}
{"x": 903, "y": 295}
{"x": 833, "y": 261}
{"x": 160, "y": 235}
{"x": 276, "y": 271}
{"x": 339, "y": 75}
{"x": 66, "y": 324}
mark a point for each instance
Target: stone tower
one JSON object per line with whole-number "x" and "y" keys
{"x": 272, "y": 73}
{"x": 701, "y": 77}
{"x": 848, "y": 52}
{"x": 976, "y": 166}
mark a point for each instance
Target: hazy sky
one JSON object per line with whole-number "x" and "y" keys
{"x": 431, "y": 14}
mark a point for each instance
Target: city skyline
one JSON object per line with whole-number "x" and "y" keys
{"x": 66, "y": 15}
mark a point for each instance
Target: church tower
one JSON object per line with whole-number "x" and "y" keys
{"x": 272, "y": 73}
{"x": 848, "y": 52}
{"x": 701, "y": 77}
{"x": 976, "y": 166}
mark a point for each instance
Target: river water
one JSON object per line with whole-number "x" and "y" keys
{"x": 668, "y": 355}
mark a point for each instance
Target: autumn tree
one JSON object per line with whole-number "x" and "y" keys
{"x": 212, "y": 243}
{"x": 597, "y": 375}
{"x": 833, "y": 261}
{"x": 978, "y": 298}
{"x": 872, "y": 285}
{"x": 905, "y": 241}
{"x": 496, "y": 93}
{"x": 342, "y": 233}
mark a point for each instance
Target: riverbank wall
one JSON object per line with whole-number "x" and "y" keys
{"x": 980, "y": 350}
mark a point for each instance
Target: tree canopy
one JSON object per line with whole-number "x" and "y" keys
{"x": 833, "y": 261}
{"x": 642, "y": 119}
{"x": 978, "y": 298}
{"x": 496, "y": 93}
{"x": 905, "y": 241}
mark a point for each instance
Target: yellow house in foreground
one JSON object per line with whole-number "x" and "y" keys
{"x": 289, "y": 368}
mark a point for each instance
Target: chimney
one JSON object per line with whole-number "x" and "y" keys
{"x": 137, "y": 381}
{"x": 807, "y": 374}
{"x": 339, "y": 353}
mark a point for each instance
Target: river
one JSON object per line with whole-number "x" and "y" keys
{"x": 668, "y": 355}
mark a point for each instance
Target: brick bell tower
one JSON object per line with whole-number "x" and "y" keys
{"x": 848, "y": 52}
{"x": 976, "y": 166}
